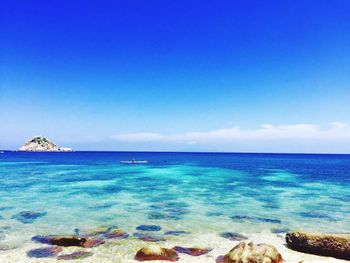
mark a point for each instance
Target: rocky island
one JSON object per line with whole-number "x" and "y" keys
{"x": 41, "y": 144}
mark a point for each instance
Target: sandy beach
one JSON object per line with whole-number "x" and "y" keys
{"x": 125, "y": 250}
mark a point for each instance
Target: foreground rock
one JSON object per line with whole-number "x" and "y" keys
{"x": 156, "y": 252}
{"x": 250, "y": 253}
{"x": 41, "y": 144}
{"x": 69, "y": 241}
{"x": 331, "y": 245}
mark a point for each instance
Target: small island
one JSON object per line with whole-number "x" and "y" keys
{"x": 41, "y": 144}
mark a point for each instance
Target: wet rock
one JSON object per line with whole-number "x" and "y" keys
{"x": 256, "y": 219}
{"x": 28, "y": 217}
{"x": 176, "y": 233}
{"x": 44, "y": 252}
{"x": 233, "y": 236}
{"x": 149, "y": 228}
{"x": 193, "y": 251}
{"x": 68, "y": 241}
{"x": 332, "y": 245}
{"x": 148, "y": 238}
{"x": 250, "y": 253}
{"x": 156, "y": 252}
{"x": 116, "y": 233}
{"x": 65, "y": 241}
{"x": 75, "y": 255}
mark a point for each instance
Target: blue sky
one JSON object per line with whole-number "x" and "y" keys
{"x": 268, "y": 76}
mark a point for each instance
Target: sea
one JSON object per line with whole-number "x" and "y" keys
{"x": 200, "y": 196}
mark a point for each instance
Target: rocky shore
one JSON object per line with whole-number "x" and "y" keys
{"x": 41, "y": 144}
{"x": 151, "y": 242}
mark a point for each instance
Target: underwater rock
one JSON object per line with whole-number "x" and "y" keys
{"x": 3, "y": 208}
{"x": 193, "y": 251}
{"x": 176, "y": 233}
{"x": 75, "y": 255}
{"x": 68, "y": 241}
{"x": 93, "y": 243}
{"x": 147, "y": 237}
{"x": 331, "y": 245}
{"x": 214, "y": 214}
{"x": 28, "y": 217}
{"x": 256, "y": 219}
{"x": 44, "y": 252}
{"x": 149, "y": 228}
{"x": 93, "y": 232}
{"x": 116, "y": 233}
{"x": 280, "y": 230}
{"x": 233, "y": 236}
{"x": 250, "y": 253}
{"x": 156, "y": 252}
{"x": 317, "y": 215}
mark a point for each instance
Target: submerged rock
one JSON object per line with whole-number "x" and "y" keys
{"x": 176, "y": 233}
{"x": 250, "y": 253}
{"x": 93, "y": 232}
{"x": 147, "y": 237}
{"x": 68, "y": 241}
{"x": 148, "y": 228}
{"x": 93, "y": 243}
{"x": 332, "y": 245}
{"x": 193, "y": 251}
{"x": 156, "y": 252}
{"x": 28, "y": 217}
{"x": 116, "y": 233}
{"x": 44, "y": 252}
{"x": 256, "y": 219}
{"x": 279, "y": 230}
{"x": 75, "y": 255}
{"x": 233, "y": 236}
{"x": 317, "y": 215}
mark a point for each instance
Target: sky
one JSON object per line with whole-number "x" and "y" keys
{"x": 237, "y": 76}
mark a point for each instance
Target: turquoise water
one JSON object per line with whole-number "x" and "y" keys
{"x": 196, "y": 193}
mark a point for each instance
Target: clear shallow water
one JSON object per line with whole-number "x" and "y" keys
{"x": 198, "y": 193}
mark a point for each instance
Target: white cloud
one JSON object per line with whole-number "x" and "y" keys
{"x": 335, "y": 132}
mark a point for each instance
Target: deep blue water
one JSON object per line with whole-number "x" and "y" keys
{"x": 196, "y": 191}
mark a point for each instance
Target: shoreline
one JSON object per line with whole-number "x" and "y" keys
{"x": 125, "y": 250}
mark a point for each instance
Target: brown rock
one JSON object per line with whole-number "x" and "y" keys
{"x": 250, "y": 253}
{"x": 69, "y": 241}
{"x": 156, "y": 252}
{"x": 93, "y": 243}
{"x": 332, "y": 245}
{"x": 193, "y": 251}
{"x": 117, "y": 233}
